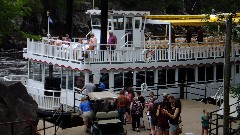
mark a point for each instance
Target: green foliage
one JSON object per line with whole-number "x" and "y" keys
{"x": 31, "y": 36}
{"x": 10, "y": 11}
{"x": 235, "y": 91}
{"x": 224, "y": 6}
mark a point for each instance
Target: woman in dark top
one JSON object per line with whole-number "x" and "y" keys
{"x": 174, "y": 115}
{"x": 163, "y": 125}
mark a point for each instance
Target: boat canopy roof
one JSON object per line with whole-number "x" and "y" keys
{"x": 119, "y": 13}
{"x": 184, "y": 20}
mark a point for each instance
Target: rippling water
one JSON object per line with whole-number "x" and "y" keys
{"x": 12, "y": 63}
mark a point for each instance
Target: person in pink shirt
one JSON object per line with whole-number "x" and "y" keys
{"x": 112, "y": 41}
{"x": 130, "y": 96}
{"x": 92, "y": 42}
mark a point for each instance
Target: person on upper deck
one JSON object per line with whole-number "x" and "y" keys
{"x": 112, "y": 41}
{"x": 92, "y": 42}
{"x": 67, "y": 38}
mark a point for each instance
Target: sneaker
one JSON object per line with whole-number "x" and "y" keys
{"x": 133, "y": 129}
{"x": 138, "y": 130}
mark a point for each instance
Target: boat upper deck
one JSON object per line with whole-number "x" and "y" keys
{"x": 150, "y": 53}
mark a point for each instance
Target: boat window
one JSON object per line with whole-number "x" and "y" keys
{"x": 137, "y": 24}
{"x": 64, "y": 76}
{"x": 186, "y": 74}
{"x": 140, "y": 78}
{"x": 118, "y": 23}
{"x": 171, "y": 76}
{"x": 70, "y": 79}
{"x": 105, "y": 79}
{"x": 118, "y": 80}
{"x": 190, "y": 75}
{"x": 209, "y": 73}
{"x": 128, "y": 79}
{"x": 162, "y": 78}
{"x": 35, "y": 71}
{"x": 201, "y": 73}
{"x": 79, "y": 80}
{"x": 96, "y": 21}
{"x": 150, "y": 78}
{"x": 237, "y": 69}
{"x": 219, "y": 75}
{"x": 129, "y": 23}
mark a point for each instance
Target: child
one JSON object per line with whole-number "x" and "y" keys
{"x": 205, "y": 123}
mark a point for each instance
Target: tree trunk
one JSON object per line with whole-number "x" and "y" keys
{"x": 227, "y": 75}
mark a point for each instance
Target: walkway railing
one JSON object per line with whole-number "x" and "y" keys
{"x": 216, "y": 122}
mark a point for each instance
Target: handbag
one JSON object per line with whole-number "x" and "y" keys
{"x": 179, "y": 131}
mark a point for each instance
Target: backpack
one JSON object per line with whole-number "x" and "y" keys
{"x": 136, "y": 107}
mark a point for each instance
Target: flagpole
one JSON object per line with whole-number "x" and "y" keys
{"x": 48, "y": 32}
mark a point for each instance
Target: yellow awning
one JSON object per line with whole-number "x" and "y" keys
{"x": 186, "y": 20}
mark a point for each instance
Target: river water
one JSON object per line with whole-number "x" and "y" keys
{"x": 12, "y": 63}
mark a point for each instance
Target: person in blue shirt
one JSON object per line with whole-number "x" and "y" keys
{"x": 87, "y": 113}
{"x": 101, "y": 86}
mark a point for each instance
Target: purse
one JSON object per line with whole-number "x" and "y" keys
{"x": 179, "y": 131}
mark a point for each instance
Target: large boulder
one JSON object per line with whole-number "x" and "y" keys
{"x": 17, "y": 105}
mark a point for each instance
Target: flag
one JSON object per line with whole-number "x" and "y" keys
{"x": 50, "y": 20}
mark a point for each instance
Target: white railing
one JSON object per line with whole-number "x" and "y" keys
{"x": 179, "y": 51}
{"x": 21, "y": 78}
{"x": 47, "y": 99}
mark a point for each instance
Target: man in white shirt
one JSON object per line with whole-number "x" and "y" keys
{"x": 89, "y": 87}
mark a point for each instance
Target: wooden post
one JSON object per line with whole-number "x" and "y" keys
{"x": 227, "y": 75}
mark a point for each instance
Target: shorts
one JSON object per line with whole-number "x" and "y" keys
{"x": 163, "y": 128}
{"x": 153, "y": 121}
{"x": 205, "y": 127}
{"x": 173, "y": 128}
{"x": 87, "y": 115}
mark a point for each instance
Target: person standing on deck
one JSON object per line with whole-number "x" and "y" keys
{"x": 89, "y": 87}
{"x": 112, "y": 41}
{"x": 92, "y": 42}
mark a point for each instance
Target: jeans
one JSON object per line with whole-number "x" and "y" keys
{"x": 121, "y": 112}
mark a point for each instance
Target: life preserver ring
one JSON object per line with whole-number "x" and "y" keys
{"x": 144, "y": 87}
{"x": 147, "y": 55}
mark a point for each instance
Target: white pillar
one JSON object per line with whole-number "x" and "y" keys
{"x": 176, "y": 75}
{"x": 196, "y": 73}
{"x": 156, "y": 81}
{"x": 134, "y": 78}
{"x": 169, "y": 42}
{"x": 86, "y": 77}
{"x": 111, "y": 80}
{"x": 215, "y": 73}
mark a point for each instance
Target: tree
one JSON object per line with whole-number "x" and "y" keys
{"x": 11, "y": 12}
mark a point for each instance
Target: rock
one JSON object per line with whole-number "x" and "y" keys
{"x": 17, "y": 105}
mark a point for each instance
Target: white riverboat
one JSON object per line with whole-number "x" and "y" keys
{"x": 139, "y": 57}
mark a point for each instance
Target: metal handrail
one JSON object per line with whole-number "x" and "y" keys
{"x": 58, "y": 118}
{"x": 218, "y": 93}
